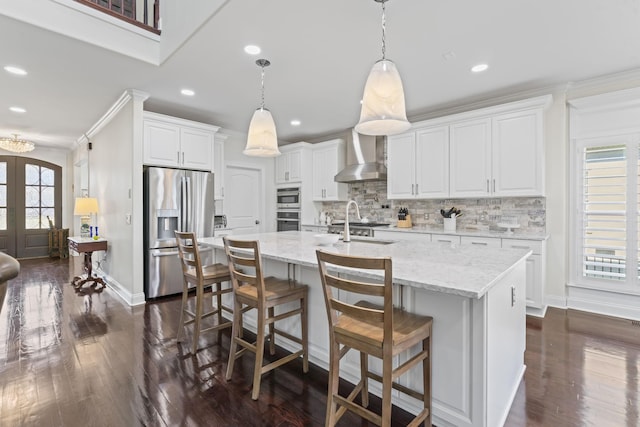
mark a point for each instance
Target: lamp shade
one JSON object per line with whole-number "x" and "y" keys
{"x": 383, "y": 110}
{"x": 262, "y": 140}
{"x": 85, "y": 206}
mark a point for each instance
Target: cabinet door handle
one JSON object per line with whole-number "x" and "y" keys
{"x": 520, "y": 247}
{"x": 417, "y": 189}
{"x": 487, "y": 185}
{"x": 286, "y": 176}
{"x": 494, "y": 185}
{"x": 222, "y": 191}
{"x": 479, "y": 243}
{"x": 412, "y": 186}
{"x": 183, "y": 157}
{"x": 178, "y": 157}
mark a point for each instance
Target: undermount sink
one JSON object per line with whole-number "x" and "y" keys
{"x": 372, "y": 241}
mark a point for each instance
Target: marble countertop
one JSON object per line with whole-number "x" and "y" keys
{"x": 465, "y": 270}
{"x": 517, "y": 234}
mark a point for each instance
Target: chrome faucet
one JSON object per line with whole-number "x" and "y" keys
{"x": 346, "y": 236}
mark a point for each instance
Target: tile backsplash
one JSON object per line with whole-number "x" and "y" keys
{"x": 482, "y": 214}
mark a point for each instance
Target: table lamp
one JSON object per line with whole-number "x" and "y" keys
{"x": 84, "y": 207}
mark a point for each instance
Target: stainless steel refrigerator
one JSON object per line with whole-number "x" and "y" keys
{"x": 174, "y": 199}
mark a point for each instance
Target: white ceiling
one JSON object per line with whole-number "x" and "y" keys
{"x": 321, "y": 53}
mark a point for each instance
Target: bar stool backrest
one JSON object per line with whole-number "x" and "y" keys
{"x": 335, "y": 276}
{"x": 245, "y": 264}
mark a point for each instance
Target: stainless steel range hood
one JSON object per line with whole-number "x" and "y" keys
{"x": 365, "y": 159}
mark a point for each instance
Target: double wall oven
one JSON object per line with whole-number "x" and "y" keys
{"x": 288, "y": 209}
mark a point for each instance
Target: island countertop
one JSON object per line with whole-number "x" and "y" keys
{"x": 464, "y": 270}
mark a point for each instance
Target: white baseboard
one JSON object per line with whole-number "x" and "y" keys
{"x": 537, "y": 312}
{"x": 557, "y": 301}
{"x": 129, "y": 298}
{"x": 625, "y": 306}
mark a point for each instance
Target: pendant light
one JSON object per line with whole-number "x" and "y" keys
{"x": 383, "y": 110}
{"x": 262, "y": 140}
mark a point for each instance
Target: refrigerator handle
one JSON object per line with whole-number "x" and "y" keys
{"x": 183, "y": 204}
{"x": 187, "y": 202}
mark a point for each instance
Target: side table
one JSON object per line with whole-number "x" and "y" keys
{"x": 87, "y": 246}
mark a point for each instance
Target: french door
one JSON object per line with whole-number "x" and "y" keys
{"x": 30, "y": 196}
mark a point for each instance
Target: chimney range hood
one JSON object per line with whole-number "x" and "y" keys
{"x": 365, "y": 159}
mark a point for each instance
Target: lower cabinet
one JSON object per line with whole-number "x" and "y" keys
{"x": 401, "y": 235}
{"x": 536, "y": 269}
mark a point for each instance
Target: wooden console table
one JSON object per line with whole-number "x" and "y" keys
{"x": 87, "y": 246}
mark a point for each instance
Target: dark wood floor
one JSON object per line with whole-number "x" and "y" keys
{"x": 89, "y": 360}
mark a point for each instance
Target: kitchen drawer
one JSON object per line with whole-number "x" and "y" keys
{"x": 401, "y": 235}
{"x": 489, "y": 242}
{"x": 445, "y": 238}
{"x": 534, "y": 245}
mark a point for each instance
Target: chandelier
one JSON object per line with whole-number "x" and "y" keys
{"x": 16, "y": 145}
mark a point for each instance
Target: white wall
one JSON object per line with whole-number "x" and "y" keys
{"x": 115, "y": 179}
{"x": 556, "y": 184}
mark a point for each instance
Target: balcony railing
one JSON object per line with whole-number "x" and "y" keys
{"x": 142, "y": 13}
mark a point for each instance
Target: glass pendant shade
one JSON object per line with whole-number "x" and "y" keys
{"x": 383, "y": 109}
{"x": 262, "y": 140}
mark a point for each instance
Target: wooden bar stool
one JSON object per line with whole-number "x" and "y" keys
{"x": 201, "y": 277}
{"x": 251, "y": 290}
{"x": 379, "y": 331}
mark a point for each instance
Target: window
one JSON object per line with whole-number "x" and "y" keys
{"x": 39, "y": 196}
{"x": 608, "y": 216}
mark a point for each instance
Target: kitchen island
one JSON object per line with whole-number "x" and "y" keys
{"x": 475, "y": 295}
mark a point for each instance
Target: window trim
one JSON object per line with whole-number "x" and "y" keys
{"x": 631, "y": 285}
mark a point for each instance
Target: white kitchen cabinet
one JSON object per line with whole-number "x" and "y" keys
{"x": 518, "y": 154}
{"x": 470, "y": 145}
{"x": 218, "y": 166}
{"x": 290, "y": 164}
{"x": 418, "y": 164}
{"x": 536, "y": 266}
{"x": 329, "y": 158}
{"x": 173, "y": 142}
{"x": 401, "y": 235}
{"x": 481, "y": 241}
{"x": 446, "y": 238}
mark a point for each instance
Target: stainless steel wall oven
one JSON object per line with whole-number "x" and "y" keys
{"x": 288, "y": 198}
{"x": 288, "y": 219}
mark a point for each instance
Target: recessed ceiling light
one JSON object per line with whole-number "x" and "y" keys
{"x": 15, "y": 70}
{"x": 295, "y": 122}
{"x": 187, "y": 92}
{"x": 17, "y": 109}
{"x": 479, "y": 68}
{"x": 252, "y": 49}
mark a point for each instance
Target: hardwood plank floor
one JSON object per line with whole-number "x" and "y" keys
{"x": 90, "y": 360}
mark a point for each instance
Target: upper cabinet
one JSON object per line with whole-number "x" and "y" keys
{"x": 493, "y": 152}
{"x": 418, "y": 164}
{"x": 179, "y": 143}
{"x": 329, "y": 158}
{"x": 470, "y": 148}
{"x": 518, "y": 154}
{"x": 290, "y": 164}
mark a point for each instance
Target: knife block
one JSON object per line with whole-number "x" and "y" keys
{"x": 405, "y": 223}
